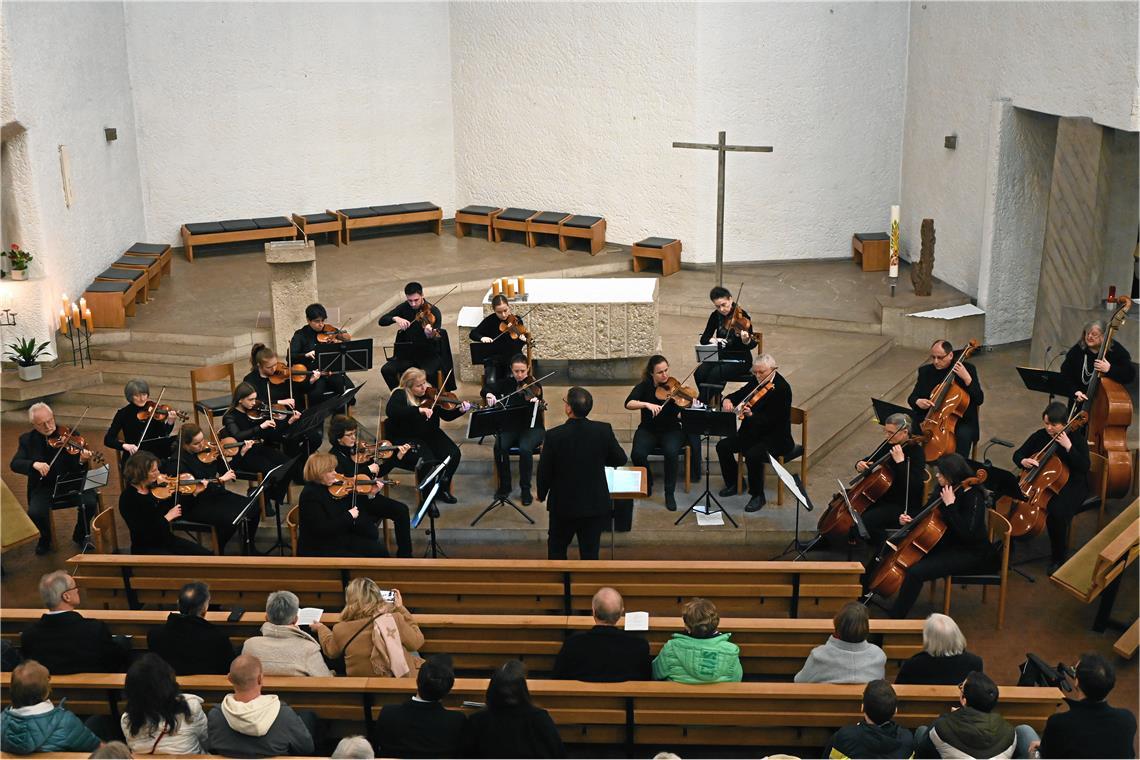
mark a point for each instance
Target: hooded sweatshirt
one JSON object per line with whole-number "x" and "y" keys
{"x": 43, "y": 728}
{"x": 840, "y": 661}
{"x": 969, "y": 733}
{"x": 868, "y": 740}
{"x": 286, "y": 650}
{"x": 262, "y": 727}
{"x": 688, "y": 659}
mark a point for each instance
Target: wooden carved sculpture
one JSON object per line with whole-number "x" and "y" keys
{"x": 921, "y": 270}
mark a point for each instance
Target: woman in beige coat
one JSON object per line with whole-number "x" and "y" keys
{"x": 352, "y": 636}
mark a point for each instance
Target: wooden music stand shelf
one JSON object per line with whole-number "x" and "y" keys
{"x": 871, "y": 250}
{"x": 665, "y": 250}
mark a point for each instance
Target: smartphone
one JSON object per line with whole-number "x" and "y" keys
{"x": 235, "y": 614}
{"x": 388, "y": 595}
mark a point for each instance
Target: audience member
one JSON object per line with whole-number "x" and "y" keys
{"x": 283, "y": 649}
{"x": 422, "y": 726}
{"x": 847, "y": 656}
{"x": 10, "y": 656}
{"x": 943, "y": 659}
{"x": 510, "y": 725}
{"x": 702, "y": 654}
{"x": 33, "y": 724}
{"x": 605, "y": 652}
{"x": 353, "y": 747}
{"x": 112, "y": 751}
{"x": 250, "y": 724}
{"x": 52, "y": 640}
{"x": 355, "y": 636}
{"x": 191, "y": 645}
{"x": 972, "y": 730}
{"x": 159, "y": 719}
{"x": 1091, "y": 727}
{"x": 877, "y": 735}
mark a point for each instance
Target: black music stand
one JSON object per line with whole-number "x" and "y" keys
{"x": 313, "y": 418}
{"x": 431, "y": 484}
{"x": 272, "y": 478}
{"x": 69, "y": 490}
{"x": 884, "y": 409}
{"x": 795, "y": 486}
{"x": 1045, "y": 381}
{"x": 706, "y": 423}
{"x": 715, "y": 354}
{"x": 347, "y": 356}
{"x": 496, "y": 420}
{"x": 247, "y": 541}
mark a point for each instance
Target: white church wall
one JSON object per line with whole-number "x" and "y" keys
{"x": 257, "y": 109}
{"x": 1068, "y": 59}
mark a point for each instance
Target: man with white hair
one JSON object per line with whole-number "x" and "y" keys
{"x": 64, "y": 641}
{"x": 764, "y": 405}
{"x": 943, "y": 659}
{"x": 283, "y": 648}
{"x": 44, "y": 465}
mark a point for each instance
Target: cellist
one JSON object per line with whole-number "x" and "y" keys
{"x": 1081, "y": 361}
{"x": 908, "y": 467}
{"x": 930, "y": 376}
{"x": 965, "y": 547}
{"x": 1073, "y": 451}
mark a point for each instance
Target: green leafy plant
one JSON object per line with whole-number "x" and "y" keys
{"x": 25, "y": 352}
{"x": 19, "y": 257}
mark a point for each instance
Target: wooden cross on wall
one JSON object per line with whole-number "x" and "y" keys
{"x": 721, "y": 149}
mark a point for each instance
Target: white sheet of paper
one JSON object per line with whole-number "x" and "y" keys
{"x": 469, "y": 316}
{"x": 786, "y": 478}
{"x": 637, "y": 621}
{"x": 623, "y": 481}
{"x": 703, "y": 518}
{"x": 949, "y": 312}
{"x": 309, "y": 615}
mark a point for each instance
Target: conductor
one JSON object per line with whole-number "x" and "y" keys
{"x": 571, "y": 469}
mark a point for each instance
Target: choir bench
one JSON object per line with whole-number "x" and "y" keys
{"x": 389, "y": 216}
{"x": 235, "y": 231}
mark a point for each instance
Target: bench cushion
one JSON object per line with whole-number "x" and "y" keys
{"x": 655, "y": 242}
{"x": 582, "y": 221}
{"x": 148, "y": 249}
{"x": 390, "y": 210}
{"x": 270, "y": 222}
{"x": 872, "y": 236}
{"x": 517, "y": 214}
{"x": 134, "y": 261}
{"x": 204, "y": 228}
{"x": 478, "y": 210}
{"x": 238, "y": 225}
{"x": 550, "y": 217}
{"x": 363, "y": 212}
{"x": 420, "y": 206}
{"x": 122, "y": 274}
{"x": 120, "y": 286}
{"x": 317, "y": 218}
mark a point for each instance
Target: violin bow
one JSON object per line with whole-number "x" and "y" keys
{"x": 68, "y": 437}
{"x": 150, "y": 419}
{"x": 218, "y": 443}
{"x": 440, "y": 390}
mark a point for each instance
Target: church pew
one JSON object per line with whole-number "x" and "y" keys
{"x": 235, "y": 231}
{"x": 755, "y": 714}
{"x": 462, "y": 586}
{"x": 769, "y": 647}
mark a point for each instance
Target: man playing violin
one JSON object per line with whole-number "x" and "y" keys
{"x": 930, "y": 376}
{"x": 416, "y": 344}
{"x": 37, "y": 459}
{"x": 493, "y": 331}
{"x": 527, "y": 440}
{"x": 766, "y": 428}
{"x": 735, "y": 346}
{"x": 660, "y": 426}
{"x": 350, "y": 463}
{"x": 1081, "y": 361}
{"x": 131, "y": 421}
{"x": 148, "y": 517}
{"x": 908, "y": 471}
{"x": 331, "y": 526}
{"x": 303, "y": 348}
{"x": 250, "y": 419}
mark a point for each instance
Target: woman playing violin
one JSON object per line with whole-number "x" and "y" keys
{"x": 908, "y": 470}
{"x": 1081, "y": 360}
{"x": 527, "y": 440}
{"x": 414, "y": 416}
{"x": 507, "y": 336}
{"x": 270, "y": 377}
{"x": 660, "y": 425}
{"x": 736, "y": 344}
{"x": 250, "y": 419}
{"x": 329, "y": 526}
{"x": 965, "y": 548}
{"x": 126, "y": 431}
{"x": 147, "y": 517}
{"x": 303, "y": 349}
{"x": 343, "y": 437}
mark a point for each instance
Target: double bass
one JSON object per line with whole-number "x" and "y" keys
{"x": 950, "y": 401}
{"x": 1038, "y": 484}
{"x": 1109, "y": 410}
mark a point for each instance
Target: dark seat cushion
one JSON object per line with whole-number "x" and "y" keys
{"x": 872, "y": 236}
{"x": 215, "y": 405}
{"x": 270, "y": 222}
{"x": 363, "y": 212}
{"x": 419, "y": 207}
{"x": 148, "y": 249}
{"x": 582, "y": 221}
{"x": 389, "y": 210}
{"x": 549, "y": 217}
{"x": 204, "y": 228}
{"x": 121, "y": 274}
{"x": 318, "y": 218}
{"x": 135, "y": 261}
{"x": 238, "y": 225}
{"x": 119, "y": 286}
{"x": 478, "y": 210}
{"x": 655, "y": 242}
{"x": 517, "y": 214}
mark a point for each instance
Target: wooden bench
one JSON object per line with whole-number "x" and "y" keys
{"x": 592, "y": 229}
{"x": 546, "y": 223}
{"x": 476, "y": 215}
{"x": 1097, "y": 568}
{"x": 389, "y": 216}
{"x": 317, "y": 224}
{"x": 111, "y": 302}
{"x": 159, "y": 252}
{"x": 235, "y": 231}
{"x": 665, "y": 250}
{"x": 871, "y": 251}
{"x": 769, "y": 647}
{"x": 467, "y": 586}
{"x": 625, "y": 714}
{"x": 513, "y": 220}
{"x": 151, "y": 266}
{"x": 114, "y": 274}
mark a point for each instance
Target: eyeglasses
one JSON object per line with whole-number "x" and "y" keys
{"x": 938, "y": 356}
{"x": 70, "y": 588}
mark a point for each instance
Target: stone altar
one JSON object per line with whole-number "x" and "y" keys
{"x": 292, "y": 286}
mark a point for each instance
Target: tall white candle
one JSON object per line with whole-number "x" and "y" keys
{"x": 894, "y": 235}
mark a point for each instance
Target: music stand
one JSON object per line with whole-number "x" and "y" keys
{"x": 313, "y": 418}
{"x": 496, "y": 420}
{"x": 247, "y": 541}
{"x": 1045, "y": 381}
{"x": 706, "y": 423}
{"x": 272, "y": 478}
{"x": 347, "y": 356}
{"x": 481, "y": 352}
{"x": 796, "y": 487}
{"x": 1002, "y": 483}
{"x": 428, "y": 507}
{"x": 70, "y": 487}
{"x": 884, "y": 409}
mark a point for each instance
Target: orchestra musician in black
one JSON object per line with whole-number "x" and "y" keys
{"x": 303, "y": 348}
{"x": 492, "y": 331}
{"x": 735, "y": 347}
{"x": 519, "y": 389}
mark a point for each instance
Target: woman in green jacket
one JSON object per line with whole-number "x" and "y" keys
{"x": 701, "y": 654}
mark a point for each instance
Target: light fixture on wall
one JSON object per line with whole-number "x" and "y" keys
{"x": 951, "y": 142}
{"x": 111, "y": 134}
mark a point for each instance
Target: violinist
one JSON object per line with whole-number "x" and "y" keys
{"x": 415, "y": 344}
{"x": 329, "y": 526}
{"x": 37, "y": 459}
{"x": 343, "y": 435}
{"x": 147, "y": 517}
{"x": 303, "y": 348}
{"x": 1073, "y": 452}
{"x": 1081, "y": 361}
{"x": 766, "y": 428}
{"x": 251, "y": 420}
{"x": 214, "y": 504}
{"x": 414, "y": 416}
{"x": 494, "y": 330}
{"x": 527, "y": 440}
{"x": 132, "y": 420}
{"x": 930, "y": 376}
{"x": 965, "y": 548}
{"x": 266, "y": 364}
{"x": 735, "y": 346}
{"x": 908, "y": 469}
{"x": 660, "y": 426}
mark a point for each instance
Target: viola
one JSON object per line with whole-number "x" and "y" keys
{"x": 950, "y": 402}
{"x": 425, "y": 317}
{"x": 361, "y": 484}
{"x": 754, "y": 397}
{"x": 283, "y": 373}
{"x": 1038, "y": 484}
{"x": 72, "y": 443}
{"x": 229, "y": 448}
{"x": 441, "y": 399}
{"x": 264, "y": 411}
{"x": 737, "y": 321}
{"x": 188, "y": 485}
{"x": 1110, "y": 413}
{"x": 914, "y": 541}
{"x": 159, "y": 412}
{"x": 533, "y": 390}
{"x": 513, "y": 327}
{"x": 330, "y": 334}
{"x": 672, "y": 390}
{"x": 366, "y": 452}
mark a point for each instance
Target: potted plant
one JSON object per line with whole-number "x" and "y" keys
{"x": 26, "y": 354}
{"x": 19, "y": 259}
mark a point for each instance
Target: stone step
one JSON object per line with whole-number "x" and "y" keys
{"x": 158, "y": 375}
{"x": 111, "y": 395}
{"x": 187, "y": 355}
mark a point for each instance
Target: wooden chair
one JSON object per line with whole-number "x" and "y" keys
{"x": 214, "y": 406}
{"x": 999, "y": 530}
{"x": 61, "y": 506}
{"x": 197, "y": 529}
{"x": 686, "y": 454}
{"x": 291, "y": 522}
{"x": 104, "y": 533}
{"x": 799, "y": 451}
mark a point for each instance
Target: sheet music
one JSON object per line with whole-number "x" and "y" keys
{"x": 637, "y": 621}
{"x": 309, "y": 615}
{"x": 623, "y": 481}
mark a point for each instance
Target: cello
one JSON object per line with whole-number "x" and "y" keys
{"x": 1039, "y": 484}
{"x": 950, "y": 401}
{"x": 914, "y": 541}
{"x": 1109, "y": 408}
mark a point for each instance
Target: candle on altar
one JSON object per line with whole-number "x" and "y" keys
{"x": 75, "y": 315}
{"x": 66, "y": 303}
{"x": 88, "y": 319}
{"x": 522, "y": 285}
{"x": 82, "y": 305}
{"x": 510, "y": 289}
{"x": 494, "y": 287}
{"x": 503, "y": 285}
{"x": 62, "y": 321}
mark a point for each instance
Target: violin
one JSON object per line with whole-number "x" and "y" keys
{"x": 681, "y": 395}
{"x": 188, "y": 485}
{"x": 914, "y": 541}
{"x": 513, "y": 327}
{"x": 283, "y": 373}
{"x": 1038, "y": 484}
{"x": 361, "y": 484}
{"x": 229, "y": 448}
{"x": 533, "y": 390}
{"x": 737, "y": 321}
{"x": 1110, "y": 412}
{"x": 426, "y": 319}
{"x": 442, "y": 399}
{"x": 264, "y": 411}
{"x": 950, "y": 401}
{"x": 863, "y": 491}
{"x": 65, "y": 438}
{"x": 754, "y": 397}
{"x": 330, "y": 334}
{"x": 366, "y": 452}
{"x": 159, "y": 412}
